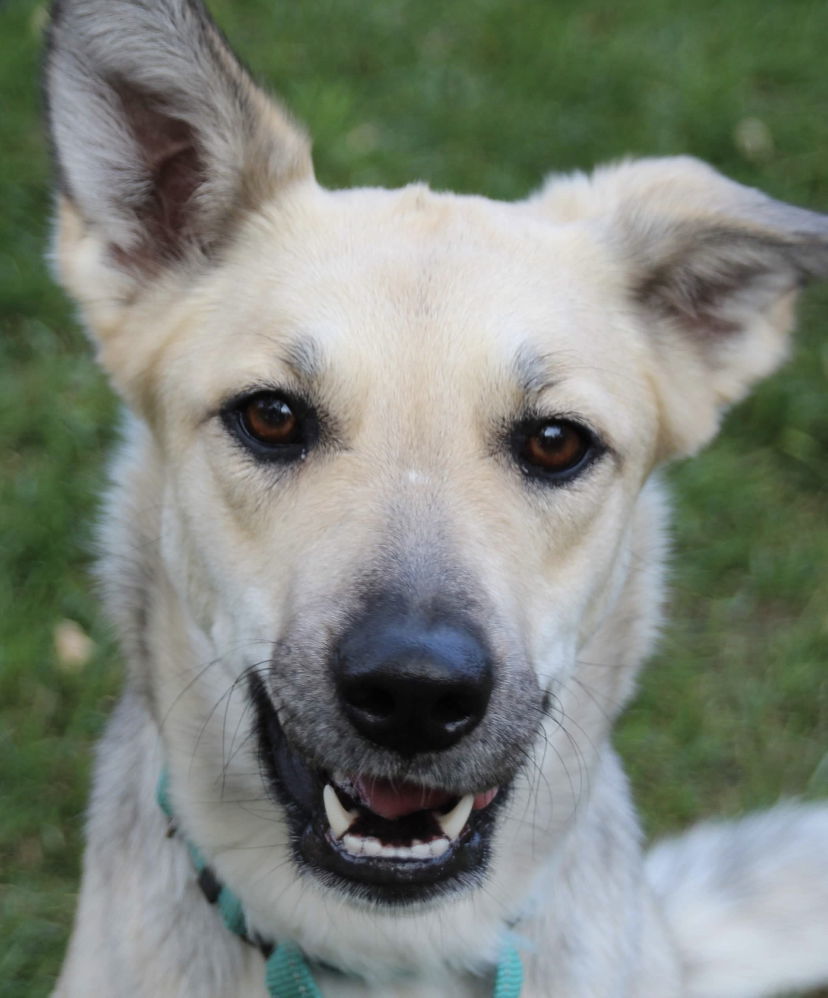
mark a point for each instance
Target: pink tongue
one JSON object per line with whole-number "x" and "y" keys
{"x": 395, "y": 800}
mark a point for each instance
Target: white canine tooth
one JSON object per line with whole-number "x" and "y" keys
{"x": 339, "y": 819}
{"x": 388, "y": 852}
{"x": 454, "y": 822}
{"x": 420, "y": 850}
{"x": 437, "y": 847}
{"x": 371, "y": 846}
{"x": 354, "y": 844}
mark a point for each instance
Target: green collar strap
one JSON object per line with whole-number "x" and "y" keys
{"x": 287, "y": 974}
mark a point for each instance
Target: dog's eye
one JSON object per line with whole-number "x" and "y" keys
{"x": 272, "y": 425}
{"x": 555, "y": 450}
{"x": 270, "y": 420}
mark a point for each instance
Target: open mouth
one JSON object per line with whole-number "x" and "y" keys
{"x": 385, "y": 840}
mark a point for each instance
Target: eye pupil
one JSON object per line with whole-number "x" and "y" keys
{"x": 270, "y": 420}
{"x": 555, "y": 447}
{"x": 551, "y": 437}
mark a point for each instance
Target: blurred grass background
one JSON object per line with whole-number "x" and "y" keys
{"x": 479, "y": 95}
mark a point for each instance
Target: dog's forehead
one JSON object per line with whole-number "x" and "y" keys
{"x": 397, "y": 265}
{"x": 377, "y": 290}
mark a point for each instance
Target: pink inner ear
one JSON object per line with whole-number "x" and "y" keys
{"x": 174, "y": 169}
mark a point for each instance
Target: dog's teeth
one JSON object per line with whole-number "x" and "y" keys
{"x": 339, "y": 819}
{"x": 454, "y": 822}
{"x": 437, "y": 847}
{"x": 371, "y": 846}
{"x": 354, "y": 844}
{"x": 368, "y": 845}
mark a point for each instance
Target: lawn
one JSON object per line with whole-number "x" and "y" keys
{"x": 483, "y": 95}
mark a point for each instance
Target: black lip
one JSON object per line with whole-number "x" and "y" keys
{"x": 297, "y": 787}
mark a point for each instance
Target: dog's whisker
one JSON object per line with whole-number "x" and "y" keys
{"x": 223, "y": 699}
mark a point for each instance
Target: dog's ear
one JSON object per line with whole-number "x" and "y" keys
{"x": 713, "y": 269}
{"x": 162, "y": 141}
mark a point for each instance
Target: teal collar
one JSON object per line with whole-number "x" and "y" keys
{"x": 287, "y": 974}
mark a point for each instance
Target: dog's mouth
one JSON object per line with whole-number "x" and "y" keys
{"x": 386, "y": 841}
{"x": 397, "y": 821}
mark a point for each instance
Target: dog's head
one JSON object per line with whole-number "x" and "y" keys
{"x": 393, "y": 449}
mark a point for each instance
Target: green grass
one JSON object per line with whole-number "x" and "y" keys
{"x": 482, "y": 95}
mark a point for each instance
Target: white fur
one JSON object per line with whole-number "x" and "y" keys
{"x": 640, "y": 301}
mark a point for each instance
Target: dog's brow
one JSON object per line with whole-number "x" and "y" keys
{"x": 304, "y": 358}
{"x": 531, "y": 371}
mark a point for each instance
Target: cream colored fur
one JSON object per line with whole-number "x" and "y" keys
{"x": 643, "y": 299}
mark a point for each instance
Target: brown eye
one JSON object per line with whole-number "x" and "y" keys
{"x": 555, "y": 449}
{"x": 270, "y": 420}
{"x": 274, "y": 426}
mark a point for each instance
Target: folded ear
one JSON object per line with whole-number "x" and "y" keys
{"x": 162, "y": 141}
{"x": 711, "y": 267}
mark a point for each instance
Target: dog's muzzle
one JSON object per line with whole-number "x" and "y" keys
{"x": 409, "y": 687}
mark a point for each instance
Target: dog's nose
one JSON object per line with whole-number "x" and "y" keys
{"x": 411, "y": 685}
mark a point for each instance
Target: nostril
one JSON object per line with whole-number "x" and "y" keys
{"x": 371, "y": 700}
{"x": 411, "y": 685}
{"x": 451, "y": 710}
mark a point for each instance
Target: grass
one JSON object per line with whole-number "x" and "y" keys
{"x": 483, "y": 95}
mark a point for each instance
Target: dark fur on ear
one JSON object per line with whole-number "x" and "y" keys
{"x": 710, "y": 276}
{"x": 161, "y": 139}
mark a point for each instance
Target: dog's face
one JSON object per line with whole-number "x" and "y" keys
{"x": 390, "y": 458}
{"x": 397, "y": 446}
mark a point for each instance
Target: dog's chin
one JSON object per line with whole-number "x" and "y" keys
{"x": 378, "y": 841}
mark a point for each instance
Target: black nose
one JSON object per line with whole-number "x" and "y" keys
{"x": 413, "y": 685}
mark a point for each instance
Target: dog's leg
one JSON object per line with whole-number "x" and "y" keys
{"x": 746, "y": 902}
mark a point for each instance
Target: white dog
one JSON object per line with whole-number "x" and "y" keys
{"x": 387, "y": 498}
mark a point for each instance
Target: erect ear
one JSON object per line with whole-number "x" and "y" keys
{"x": 712, "y": 267}
{"x": 162, "y": 141}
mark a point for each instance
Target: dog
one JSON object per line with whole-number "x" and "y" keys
{"x": 388, "y": 494}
